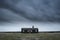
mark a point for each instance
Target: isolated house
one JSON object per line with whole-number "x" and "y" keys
{"x": 29, "y": 30}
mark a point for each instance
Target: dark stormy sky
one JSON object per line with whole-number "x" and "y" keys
{"x": 31, "y": 12}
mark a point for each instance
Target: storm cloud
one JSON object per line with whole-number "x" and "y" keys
{"x": 32, "y": 10}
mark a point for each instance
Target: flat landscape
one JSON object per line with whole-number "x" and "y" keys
{"x": 29, "y": 36}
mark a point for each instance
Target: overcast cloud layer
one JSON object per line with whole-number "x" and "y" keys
{"x": 32, "y": 10}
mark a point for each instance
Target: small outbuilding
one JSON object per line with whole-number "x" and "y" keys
{"x": 29, "y": 30}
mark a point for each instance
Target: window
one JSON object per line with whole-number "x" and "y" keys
{"x": 27, "y": 30}
{"x": 31, "y": 30}
{"x": 35, "y": 30}
{"x": 23, "y": 30}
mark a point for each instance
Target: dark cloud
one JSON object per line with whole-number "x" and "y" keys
{"x": 34, "y": 10}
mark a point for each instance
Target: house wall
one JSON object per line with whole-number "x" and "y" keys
{"x": 29, "y": 31}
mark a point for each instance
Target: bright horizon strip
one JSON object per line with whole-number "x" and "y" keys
{"x": 41, "y": 26}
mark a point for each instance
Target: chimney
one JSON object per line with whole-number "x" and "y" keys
{"x": 33, "y": 26}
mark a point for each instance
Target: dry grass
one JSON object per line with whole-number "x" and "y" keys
{"x": 29, "y": 36}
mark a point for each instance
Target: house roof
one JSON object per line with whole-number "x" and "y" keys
{"x": 29, "y": 28}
